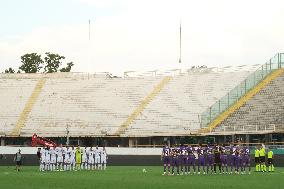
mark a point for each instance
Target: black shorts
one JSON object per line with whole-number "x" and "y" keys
{"x": 262, "y": 159}
{"x": 256, "y": 160}
{"x": 217, "y": 160}
{"x": 18, "y": 163}
{"x": 270, "y": 161}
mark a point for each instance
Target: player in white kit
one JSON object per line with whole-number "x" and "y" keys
{"x": 47, "y": 159}
{"x": 59, "y": 152}
{"x": 84, "y": 162}
{"x": 52, "y": 152}
{"x": 97, "y": 158}
{"x": 42, "y": 160}
{"x": 90, "y": 159}
{"x": 72, "y": 158}
{"x": 67, "y": 159}
{"x": 104, "y": 158}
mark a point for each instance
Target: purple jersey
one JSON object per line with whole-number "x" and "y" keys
{"x": 227, "y": 150}
{"x": 189, "y": 150}
{"x": 166, "y": 151}
{"x": 233, "y": 150}
{"x": 183, "y": 151}
{"x": 175, "y": 152}
{"x": 246, "y": 156}
{"x": 200, "y": 152}
{"x": 246, "y": 151}
{"x": 209, "y": 151}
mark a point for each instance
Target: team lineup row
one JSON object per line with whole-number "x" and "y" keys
{"x": 68, "y": 158}
{"x": 205, "y": 159}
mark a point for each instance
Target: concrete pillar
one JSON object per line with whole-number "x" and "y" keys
{"x": 267, "y": 138}
{"x": 233, "y": 138}
{"x": 247, "y": 138}
{"x": 2, "y": 141}
{"x": 131, "y": 142}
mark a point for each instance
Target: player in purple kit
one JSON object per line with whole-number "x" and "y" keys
{"x": 175, "y": 159}
{"x": 190, "y": 159}
{"x": 224, "y": 158}
{"x": 227, "y": 156}
{"x": 201, "y": 159}
{"x": 209, "y": 159}
{"x": 238, "y": 159}
{"x": 245, "y": 159}
{"x": 166, "y": 152}
{"x": 233, "y": 158}
{"x": 183, "y": 159}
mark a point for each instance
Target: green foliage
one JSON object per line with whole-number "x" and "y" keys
{"x": 52, "y": 62}
{"x": 31, "y": 63}
{"x": 10, "y": 70}
{"x": 68, "y": 67}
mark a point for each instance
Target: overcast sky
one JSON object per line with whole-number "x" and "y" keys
{"x": 142, "y": 34}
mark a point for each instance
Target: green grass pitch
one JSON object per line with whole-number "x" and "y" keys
{"x": 133, "y": 177}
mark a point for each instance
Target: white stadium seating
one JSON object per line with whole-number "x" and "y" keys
{"x": 97, "y": 105}
{"x": 263, "y": 113}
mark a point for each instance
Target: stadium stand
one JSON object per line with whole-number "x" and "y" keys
{"x": 176, "y": 110}
{"x": 98, "y": 105}
{"x": 253, "y": 106}
{"x": 14, "y": 93}
{"x": 263, "y": 113}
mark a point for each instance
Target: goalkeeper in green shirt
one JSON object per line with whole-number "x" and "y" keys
{"x": 78, "y": 158}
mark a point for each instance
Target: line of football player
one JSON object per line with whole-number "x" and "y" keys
{"x": 206, "y": 159}
{"x": 68, "y": 158}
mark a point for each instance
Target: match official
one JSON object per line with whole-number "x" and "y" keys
{"x": 256, "y": 159}
{"x": 262, "y": 158}
{"x": 270, "y": 160}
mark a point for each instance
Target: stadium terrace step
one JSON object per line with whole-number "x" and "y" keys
{"x": 28, "y": 108}
{"x": 143, "y": 105}
{"x": 263, "y": 96}
{"x": 97, "y": 106}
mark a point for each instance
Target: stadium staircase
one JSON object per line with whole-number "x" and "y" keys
{"x": 238, "y": 97}
{"x": 143, "y": 105}
{"x": 28, "y": 108}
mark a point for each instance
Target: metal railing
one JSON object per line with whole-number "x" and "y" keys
{"x": 235, "y": 94}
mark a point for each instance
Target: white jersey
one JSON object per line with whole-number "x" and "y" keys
{"x": 91, "y": 157}
{"x": 103, "y": 155}
{"x": 72, "y": 154}
{"x": 97, "y": 153}
{"x": 52, "y": 156}
{"x": 91, "y": 154}
{"x": 59, "y": 151}
{"x": 84, "y": 155}
{"x": 42, "y": 155}
{"x": 52, "y": 153}
{"x": 97, "y": 156}
{"x": 47, "y": 154}
{"x": 67, "y": 154}
{"x": 84, "y": 152}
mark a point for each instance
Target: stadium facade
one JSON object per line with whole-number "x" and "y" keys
{"x": 199, "y": 105}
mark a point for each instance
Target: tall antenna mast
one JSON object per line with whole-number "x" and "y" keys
{"x": 179, "y": 61}
{"x": 89, "y": 30}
